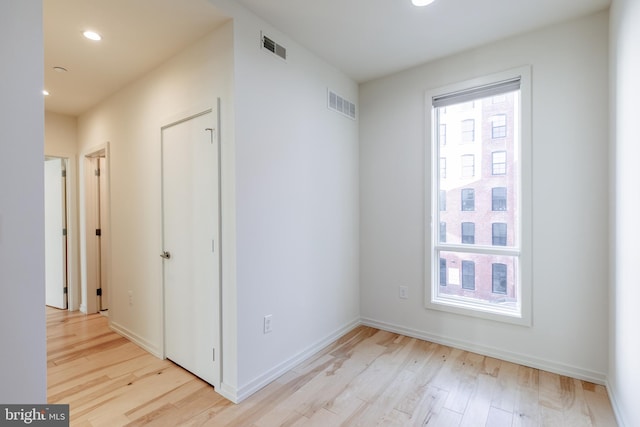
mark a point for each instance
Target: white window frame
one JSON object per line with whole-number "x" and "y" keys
{"x": 523, "y": 315}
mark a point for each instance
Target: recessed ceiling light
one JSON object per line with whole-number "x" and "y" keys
{"x": 60, "y": 69}
{"x": 92, "y": 35}
{"x": 421, "y": 2}
{"x": 45, "y": 92}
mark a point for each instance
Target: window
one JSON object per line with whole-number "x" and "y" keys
{"x": 468, "y": 232}
{"x": 499, "y": 234}
{"x": 468, "y": 275}
{"x": 499, "y": 126}
{"x": 499, "y": 199}
{"x": 485, "y": 262}
{"x": 443, "y": 200}
{"x": 468, "y": 165}
{"x": 443, "y": 167}
{"x": 499, "y": 163}
{"x": 499, "y": 278}
{"x": 468, "y": 130}
{"x": 468, "y": 201}
{"x": 443, "y": 134}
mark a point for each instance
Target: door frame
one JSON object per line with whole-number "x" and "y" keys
{"x": 73, "y": 288}
{"x": 55, "y": 237}
{"x": 88, "y": 252}
{"x": 172, "y": 121}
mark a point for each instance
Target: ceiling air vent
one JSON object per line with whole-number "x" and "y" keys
{"x": 341, "y": 105}
{"x": 273, "y": 47}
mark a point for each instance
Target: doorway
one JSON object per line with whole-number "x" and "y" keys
{"x": 56, "y": 235}
{"x": 96, "y": 258}
{"x": 191, "y": 244}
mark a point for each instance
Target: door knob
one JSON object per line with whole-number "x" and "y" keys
{"x": 165, "y": 254}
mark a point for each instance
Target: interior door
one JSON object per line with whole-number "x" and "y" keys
{"x": 191, "y": 265}
{"x": 55, "y": 233}
{"x": 103, "y": 226}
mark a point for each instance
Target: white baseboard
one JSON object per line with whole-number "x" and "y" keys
{"x": 139, "y": 341}
{"x": 278, "y": 370}
{"x": 83, "y": 308}
{"x": 228, "y": 392}
{"x": 614, "y": 404}
{"x": 521, "y": 359}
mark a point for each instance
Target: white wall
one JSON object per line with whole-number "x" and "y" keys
{"x": 624, "y": 370}
{"x": 130, "y": 122}
{"x": 60, "y": 134}
{"x": 297, "y": 203}
{"x": 23, "y": 354}
{"x": 570, "y": 214}
{"x": 291, "y": 178}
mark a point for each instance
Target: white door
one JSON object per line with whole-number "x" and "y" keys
{"x": 103, "y": 226}
{"x": 191, "y": 245}
{"x": 55, "y": 234}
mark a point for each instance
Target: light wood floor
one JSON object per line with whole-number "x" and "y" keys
{"x": 366, "y": 378}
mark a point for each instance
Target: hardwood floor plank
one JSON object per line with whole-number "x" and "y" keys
{"x": 527, "y": 410}
{"x": 465, "y": 384}
{"x": 550, "y": 392}
{"x": 448, "y": 376}
{"x": 551, "y": 417}
{"x": 507, "y": 381}
{"x": 499, "y": 418}
{"x": 479, "y": 403}
{"x": 183, "y": 395}
{"x": 430, "y": 365}
{"x": 430, "y": 406}
{"x": 599, "y": 407}
{"x": 349, "y": 410}
{"x": 576, "y": 410}
{"x": 445, "y": 418}
{"x": 366, "y": 378}
{"x": 528, "y": 377}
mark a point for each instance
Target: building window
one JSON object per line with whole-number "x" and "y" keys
{"x": 468, "y": 165}
{"x": 499, "y": 278}
{"x": 467, "y": 106}
{"x": 499, "y": 234}
{"x": 443, "y": 200}
{"x": 468, "y": 275}
{"x": 498, "y": 99}
{"x": 499, "y": 199}
{"x": 495, "y": 268}
{"x": 468, "y": 233}
{"x": 499, "y": 126}
{"x": 468, "y": 130}
{"x": 443, "y": 167}
{"x": 443, "y": 134}
{"x": 499, "y": 163}
{"x": 468, "y": 201}
{"x": 443, "y": 272}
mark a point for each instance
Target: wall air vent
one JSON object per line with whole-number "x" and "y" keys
{"x": 273, "y": 47}
{"x": 341, "y": 105}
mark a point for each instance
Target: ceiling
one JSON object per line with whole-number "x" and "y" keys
{"x": 366, "y": 39}
{"x": 372, "y": 38}
{"x": 137, "y": 36}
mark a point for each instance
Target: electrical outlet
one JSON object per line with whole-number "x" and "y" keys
{"x": 130, "y": 297}
{"x": 267, "y": 327}
{"x": 403, "y": 292}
